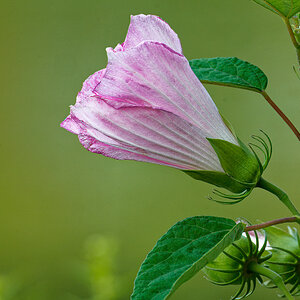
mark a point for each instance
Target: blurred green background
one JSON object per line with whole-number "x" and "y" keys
{"x": 75, "y": 225}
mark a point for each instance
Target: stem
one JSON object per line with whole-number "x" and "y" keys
{"x": 281, "y": 113}
{"x": 276, "y": 278}
{"x": 291, "y": 33}
{"x": 295, "y": 219}
{"x": 282, "y": 196}
{"x": 294, "y": 41}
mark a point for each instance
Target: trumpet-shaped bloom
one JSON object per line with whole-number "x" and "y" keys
{"x": 148, "y": 105}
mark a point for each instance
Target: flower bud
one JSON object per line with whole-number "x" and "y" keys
{"x": 235, "y": 265}
{"x": 285, "y": 256}
{"x": 242, "y": 167}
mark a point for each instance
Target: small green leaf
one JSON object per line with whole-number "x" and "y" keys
{"x": 284, "y": 8}
{"x": 229, "y": 71}
{"x": 236, "y": 161}
{"x": 185, "y": 249}
{"x": 218, "y": 179}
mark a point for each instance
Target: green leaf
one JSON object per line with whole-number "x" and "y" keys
{"x": 229, "y": 71}
{"x": 185, "y": 249}
{"x": 218, "y": 179}
{"x": 284, "y": 8}
{"x": 236, "y": 161}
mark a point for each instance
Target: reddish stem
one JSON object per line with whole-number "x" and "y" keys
{"x": 281, "y": 114}
{"x": 273, "y": 222}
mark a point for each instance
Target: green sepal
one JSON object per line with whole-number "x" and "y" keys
{"x": 218, "y": 179}
{"x": 244, "y": 147}
{"x": 237, "y": 162}
{"x": 226, "y": 263}
{"x": 294, "y": 233}
{"x": 284, "y": 8}
{"x": 280, "y": 238}
{"x": 181, "y": 253}
{"x": 285, "y": 251}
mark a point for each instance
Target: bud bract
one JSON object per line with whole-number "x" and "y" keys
{"x": 285, "y": 256}
{"x": 242, "y": 167}
{"x": 235, "y": 265}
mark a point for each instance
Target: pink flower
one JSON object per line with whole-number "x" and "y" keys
{"x": 148, "y": 105}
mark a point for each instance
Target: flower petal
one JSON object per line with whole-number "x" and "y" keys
{"x": 150, "y": 28}
{"x": 145, "y": 134}
{"x": 90, "y": 83}
{"x": 88, "y": 87}
{"x": 95, "y": 146}
{"x": 151, "y": 74}
{"x": 71, "y": 125}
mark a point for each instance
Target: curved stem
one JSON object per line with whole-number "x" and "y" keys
{"x": 276, "y": 278}
{"x": 281, "y": 195}
{"x": 281, "y": 114}
{"x": 295, "y": 219}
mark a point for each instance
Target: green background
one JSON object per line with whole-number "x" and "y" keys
{"x": 56, "y": 196}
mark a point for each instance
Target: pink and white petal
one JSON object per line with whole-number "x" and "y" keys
{"x": 87, "y": 90}
{"x": 119, "y": 47}
{"x": 150, "y": 28}
{"x": 116, "y": 152}
{"x": 71, "y": 125}
{"x": 152, "y": 74}
{"x": 105, "y": 147}
{"x": 153, "y": 133}
{"x": 90, "y": 83}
